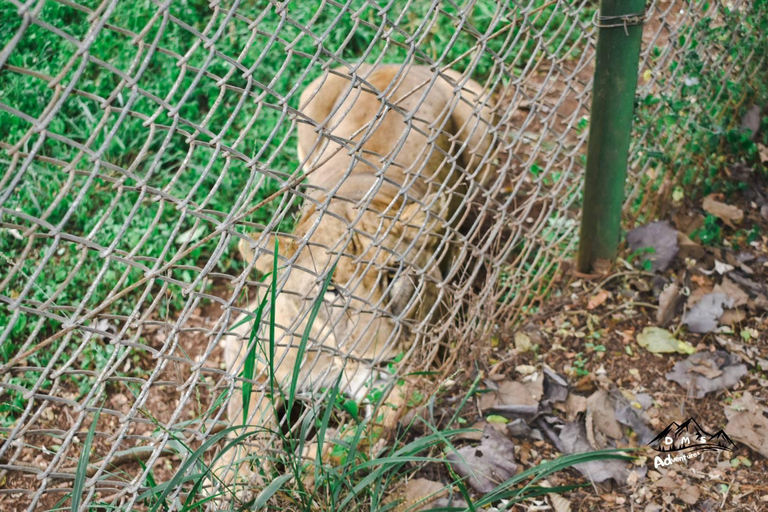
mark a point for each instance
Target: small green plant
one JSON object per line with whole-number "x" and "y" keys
{"x": 595, "y": 348}
{"x": 689, "y": 120}
{"x": 710, "y": 233}
{"x": 580, "y": 365}
{"x": 641, "y": 255}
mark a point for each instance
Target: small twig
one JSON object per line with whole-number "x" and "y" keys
{"x": 613, "y": 310}
{"x": 727, "y": 491}
{"x": 611, "y": 277}
{"x": 628, "y": 305}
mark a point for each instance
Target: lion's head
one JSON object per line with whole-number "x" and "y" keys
{"x": 385, "y": 282}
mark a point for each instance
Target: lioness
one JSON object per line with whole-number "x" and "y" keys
{"x": 388, "y": 157}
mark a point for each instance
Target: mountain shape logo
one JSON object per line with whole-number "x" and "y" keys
{"x": 689, "y": 436}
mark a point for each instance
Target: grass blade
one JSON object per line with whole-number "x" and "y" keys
{"x": 516, "y": 496}
{"x": 547, "y": 468}
{"x": 194, "y": 458}
{"x": 269, "y": 491}
{"x": 271, "y": 340}
{"x": 272, "y": 309}
{"x": 82, "y": 465}
{"x": 399, "y": 455}
{"x": 305, "y": 338}
{"x": 322, "y": 430}
{"x": 151, "y": 483}
{"x": 152, "y": 492}
{"x": 466, "y": 398}
{"x": 249, "y": 366}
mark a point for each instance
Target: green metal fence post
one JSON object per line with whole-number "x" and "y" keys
{"x": 613, "y": 94}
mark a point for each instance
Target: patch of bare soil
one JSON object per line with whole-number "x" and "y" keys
{"x": 125, "y": 437}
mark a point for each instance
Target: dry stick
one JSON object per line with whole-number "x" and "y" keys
{"x": 628, "y": 305}
{"x": 727, "y": 492}
{"x": 619, "y": 274}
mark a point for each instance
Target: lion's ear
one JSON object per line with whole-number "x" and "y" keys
{"x": 262, "y": 249}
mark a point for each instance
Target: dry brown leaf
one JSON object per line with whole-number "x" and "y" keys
{"x": 487, "y": 465}
{"x": 727, "y": 213}
{"x": 763, "y": 151}
{"x": 523, "y": 342}
{"x": 659, "y": 236}
{"x": 489, "y": 400}
{"x": 688, "y": 222}
{"x": 601, "y": 407}
{"x": 751, "y": 121}
{"x": 559, "y": 503}
{"x": 585, "y": 384}
{"x": 699, "y": 385}
{"x": 419, "y": 493}
{"x": 668, "y": 302}
{"x": 596, "y": 440}
{"x": 515, "y": 393}
{"x": 733, "y": 316}
{"x": 733, "y": 291}
{"x": 703, "y": 316}
{"x": 689, "y": 494}
{"x": 598, "y": 299}
{"x": 660, "y": 341}
{"x": 746, "y": 403}
{"x": 574, "y": 405}
{"x": 703, "y": 282}
{"x": 574, "y": 440}
{"x": 525, "y": 369}
{"x": 747, "y": 424}
{"x": 706, "y": 370}
{"x": 666, "y": 482}
{"x": 627, "y": 336}
{"x": 475, "y": 432}
{"x": 535, "y": 386}
{"x": 745, "y": 352}
{"x": 688, "y": 248}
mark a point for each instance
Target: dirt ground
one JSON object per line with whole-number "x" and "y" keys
{"x": 591, "y": 338}
{"x": 588, "y": 336}
{"x": 144, "y": 425}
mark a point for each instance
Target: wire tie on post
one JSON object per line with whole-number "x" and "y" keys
{"x": 624, "y": 20}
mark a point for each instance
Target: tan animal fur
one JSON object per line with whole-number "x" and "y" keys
{"x": 388, "y": 273}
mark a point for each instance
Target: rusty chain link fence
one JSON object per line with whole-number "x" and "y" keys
{"x": 143, "y": 142}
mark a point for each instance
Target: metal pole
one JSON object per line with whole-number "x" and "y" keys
{"x": 618, "y": 52}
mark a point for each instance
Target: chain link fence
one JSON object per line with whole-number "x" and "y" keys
{"x": 143, "y": 142}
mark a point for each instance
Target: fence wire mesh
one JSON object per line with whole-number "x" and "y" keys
{"x": 425, "y": 157}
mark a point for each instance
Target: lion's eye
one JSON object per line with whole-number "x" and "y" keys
{"x": 390, "y": 276}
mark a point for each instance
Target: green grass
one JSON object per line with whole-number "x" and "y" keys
{"x": 82, "y": 466}
{"x": 118, "y": 210}
{"x": 113, "y": 209}
{"x": 360, "y": 480}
